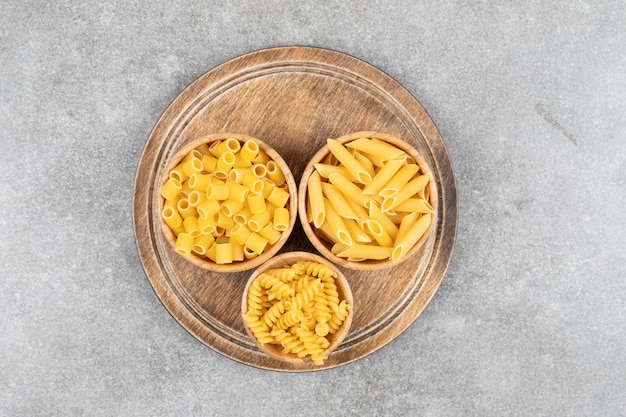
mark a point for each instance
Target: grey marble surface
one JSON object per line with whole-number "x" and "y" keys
{"x": 530, "y": 99}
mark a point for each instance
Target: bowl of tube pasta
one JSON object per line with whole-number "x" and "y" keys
{"x": 297, "y": 308}
{"x": 227, "y": 202}
{"x": 367, "y": 200}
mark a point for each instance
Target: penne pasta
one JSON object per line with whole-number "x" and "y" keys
{"x": 398, "y": 181}
{"x": 348, "y": 161}
{"x": 316, "y": 199}
{"x": 338, "y": 201}
{"x": 261, "y": 158}
{"x": 360, "y": 251}
{"x": 376, "y": 214}
{"x": 383, "y": 176}
{"x": 336, "y": 223}
{"x": 325, "y": 170}
{"x": 365, "y": 162}
{"x": 349, "y": 189}
{"x": 417, "y": 204}
{"x": 411, "y": 237}
{"x": 376, "y": 147}
{"x": 241, "y": 163}
{"x": 357, "y": 233}
{"x": 409, "y": 190}
{"x": 379, "y": 233}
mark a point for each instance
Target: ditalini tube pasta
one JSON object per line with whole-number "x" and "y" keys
{"x": 369, "y": 200}
{"x": 224, "y": 201}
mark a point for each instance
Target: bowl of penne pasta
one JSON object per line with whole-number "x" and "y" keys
{"x": 297, "y": 308}
{"x": 367, "y": 200}
{"x": 227, "y": 202}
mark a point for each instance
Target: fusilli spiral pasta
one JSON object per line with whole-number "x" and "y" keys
{"x": 296, "y": 307}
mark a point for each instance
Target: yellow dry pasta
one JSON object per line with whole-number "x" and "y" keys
{"x": 171, "y": 189}
{"x": 412, "y": 188}
{"x": 249, "y": 150}
{"x": 368, "y": 213}
{"x": 338, "y": 201}
{"x": 336, "y": 223}
{"x": 275, "y": 173}
{"x": 398, "y": 181}
{"x": 178, "y": 174}
{"x": 381, "y": 149}
{"x": 412, "y": 235}
{"x": 316, "y": 199}
{"x": 326, "y": 169}
{"x": 270, "y": 233}
{"x": 297, "y": 308}
{"x": 184, "y": 243}
{"x": 382, "y": 177}
{"x": 208, "y": 197}
{"x": 281, "y": 219}
{"x": 357, "y": 170}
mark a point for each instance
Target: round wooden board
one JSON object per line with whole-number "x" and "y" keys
{"x": 292, "y": 98}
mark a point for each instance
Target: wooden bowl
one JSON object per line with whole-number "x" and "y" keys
{"x": 343, "y": 288}
{"x": 317, "y": 238}
{"x": 271, "y": 249}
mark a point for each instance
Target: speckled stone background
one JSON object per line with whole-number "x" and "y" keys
{"x": 530, "y": 98}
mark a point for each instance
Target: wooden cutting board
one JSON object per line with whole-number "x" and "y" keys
{"x": 292, "y": 98}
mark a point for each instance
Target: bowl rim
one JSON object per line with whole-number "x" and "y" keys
{"x": 343, "y": 288}
{"x": 272, "y": 250}
{"x": 366, "y": 265}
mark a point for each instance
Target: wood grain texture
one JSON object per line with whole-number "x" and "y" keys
{"x": 293, "y": 98}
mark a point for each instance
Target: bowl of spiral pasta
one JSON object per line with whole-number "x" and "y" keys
{"x": 367, "y": 201}
{"x": 297, "y": 308}
{"x": 227, "y": 202}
